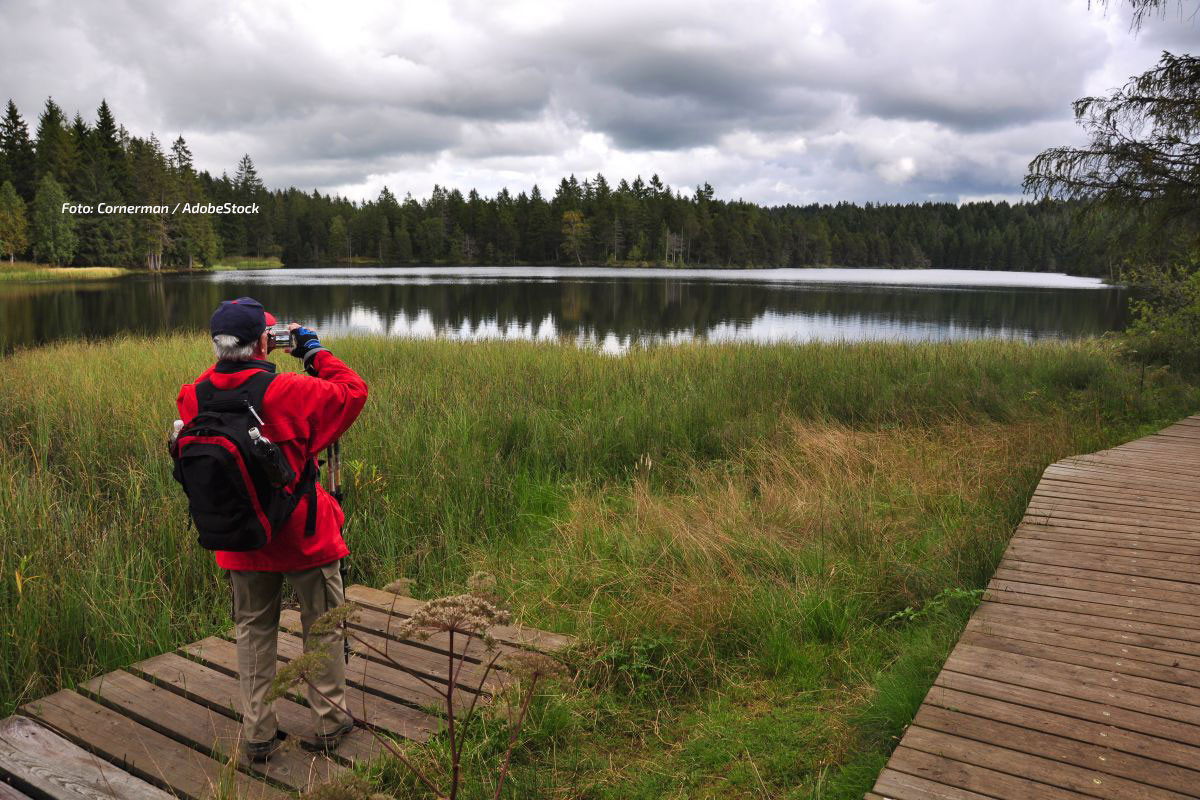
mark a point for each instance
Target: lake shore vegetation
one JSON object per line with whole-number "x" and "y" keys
{"x": 30, "y": 271}
{"x": 765, "y": 551}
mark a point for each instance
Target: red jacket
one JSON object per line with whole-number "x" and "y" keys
{"x": 303, "y": 415}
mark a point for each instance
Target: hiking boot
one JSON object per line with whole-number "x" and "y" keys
{"x": 257, "y": 752}
{"x": 326, "y": 742}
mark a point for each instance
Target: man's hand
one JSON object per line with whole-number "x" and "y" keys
{"x": 305, "y": 343}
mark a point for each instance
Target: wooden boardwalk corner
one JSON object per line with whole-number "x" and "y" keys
{"x": 1079, "y": 674}
{"x": 170, "y": 726}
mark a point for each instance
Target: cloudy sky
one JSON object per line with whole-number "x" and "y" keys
{"x": 778, "y": 102}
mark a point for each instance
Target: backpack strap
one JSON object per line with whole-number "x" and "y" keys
{"x": 249, "y": 394}
{"x": 307, "y": 486}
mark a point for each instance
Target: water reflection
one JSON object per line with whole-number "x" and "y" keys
{"x": 611, "y": 309}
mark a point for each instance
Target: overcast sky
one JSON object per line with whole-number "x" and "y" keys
{"x": 787, "y": 102}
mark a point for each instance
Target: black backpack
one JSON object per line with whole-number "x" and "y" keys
{"x": 237, "y": 488}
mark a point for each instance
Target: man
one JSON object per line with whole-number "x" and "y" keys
{"x": 301, "y": 415}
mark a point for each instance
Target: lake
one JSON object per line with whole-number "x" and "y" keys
{"x": 608, "y": 308}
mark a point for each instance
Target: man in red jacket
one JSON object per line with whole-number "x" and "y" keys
{"x": 302, "y": 415}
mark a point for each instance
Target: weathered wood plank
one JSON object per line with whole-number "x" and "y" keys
{"x": 53, "y": 766}
{"x": 899, "y": 786}
{"x": 141, "y": 751}
{"x": 515, "y": 635}
{"x": 1045, "y": 769}
{"x": 204, "y": 729}
{"x": 1070, "y": 679}
{"x": 1057, "y": 637}
{"x": 220, "y": 692}
{"x": 1150, "y": 749}
{"x": 379, "y": 679}
{"x": 417, "y": 660}
{"x": 1090, "y": 706}
{"x": 471, "y": 648}
{"x": 1083, "y": 626}
{"x": 382, "y": 713}
{"x": 9, "y": 792}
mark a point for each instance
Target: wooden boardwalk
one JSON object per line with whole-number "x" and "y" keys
{"x": 1079, "y": 674}
{"x": 169, "y": 726}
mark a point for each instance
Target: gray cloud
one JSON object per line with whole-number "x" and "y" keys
{"x": 771, "y": 101}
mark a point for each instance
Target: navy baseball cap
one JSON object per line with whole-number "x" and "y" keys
{"x": 244, "y": 318}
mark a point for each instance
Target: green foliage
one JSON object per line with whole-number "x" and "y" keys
{"x": 939, "y": 602}
{"x": 14, "y": 237}
{"x": 1166, "y": 321}
{"x": 53, "y": 229}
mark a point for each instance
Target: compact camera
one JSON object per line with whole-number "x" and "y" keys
{"x": 280, "y": 336}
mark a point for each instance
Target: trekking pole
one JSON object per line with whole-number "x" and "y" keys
{"x": 334, "y": 456}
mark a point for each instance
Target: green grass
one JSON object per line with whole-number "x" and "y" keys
{"x": 246, "y": 262}
{"x": 27, "y": 271}
{"x": 727, "y": 528}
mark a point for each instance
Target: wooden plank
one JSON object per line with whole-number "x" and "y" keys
{"x": 899, "y": 786}
{"x": 51, "y": 766}
{"x": 1138, "y": 619}
{"x": 1033, "y": 552}
{"x": 1103, "y": 512}
{"x": 1178, "y": 591}
{"x": 516, "y": 635}
{"x": 8, "y": 792}
{"x": 1179, "y": 612}
{"x": 1082, "y": 626}
{"x": 1038, "y": 768}
{"x": 205, "y": 729}
{"x": 1116, "y": 495}
{"x": 1147, "y": 678}
{"x": 1013, "y": 629}
{"x": 417, "y": 660}
{"x": 379, "y": 679}
{"x": 1071, "y": 679}
{"x": 1031, "y": 740}
{"x": 1055, "y": 515}
{"x": 1094, "y": 708}
{"x": 1083, "y": 475}
{"x": 469, "y": 647}
{"x": 382, "y": 713}
{"x": 1170, "y": 698}
{"x": 1100, "y": 523}
{"x": 220, "y": 692}
{"x": 1134, "y": 563}
{"x": 1148, "y": 750}
{"x": 1087, "y": 583}
{"x": 141, "y": 751}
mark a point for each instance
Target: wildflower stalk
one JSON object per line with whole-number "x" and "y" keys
{"x": 512, "y": 737}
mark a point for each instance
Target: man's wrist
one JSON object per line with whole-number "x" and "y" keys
{"x": 310, "y": 358}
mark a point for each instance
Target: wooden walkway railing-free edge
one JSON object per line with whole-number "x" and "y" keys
{"x": 1079, "y": 674}
{"x": 170, "y": 726}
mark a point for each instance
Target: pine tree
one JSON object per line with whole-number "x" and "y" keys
{"x": 55, "y": 145}
{"x": 53, "y": 229}
{"x": 14, "y": 236}
{"x": 16, "y": 153}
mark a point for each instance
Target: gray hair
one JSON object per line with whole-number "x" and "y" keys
{"x": 227, "y": 348}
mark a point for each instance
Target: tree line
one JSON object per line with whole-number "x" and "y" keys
{"x": 589, "y": 221}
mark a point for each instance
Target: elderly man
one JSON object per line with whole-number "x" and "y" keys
{"x": 295, "y": 416}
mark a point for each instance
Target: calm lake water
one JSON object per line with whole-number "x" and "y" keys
{"x": 608, "y": 308}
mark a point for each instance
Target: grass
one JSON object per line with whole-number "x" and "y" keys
{"x": 28, "y": 271}
{"x": 246, "y": 262}
{"x": 727, "y": 528}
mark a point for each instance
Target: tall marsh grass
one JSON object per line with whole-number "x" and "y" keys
{"x": 728, "y": 528}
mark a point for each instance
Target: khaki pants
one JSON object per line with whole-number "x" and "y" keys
{"x": 256, "y": 599}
